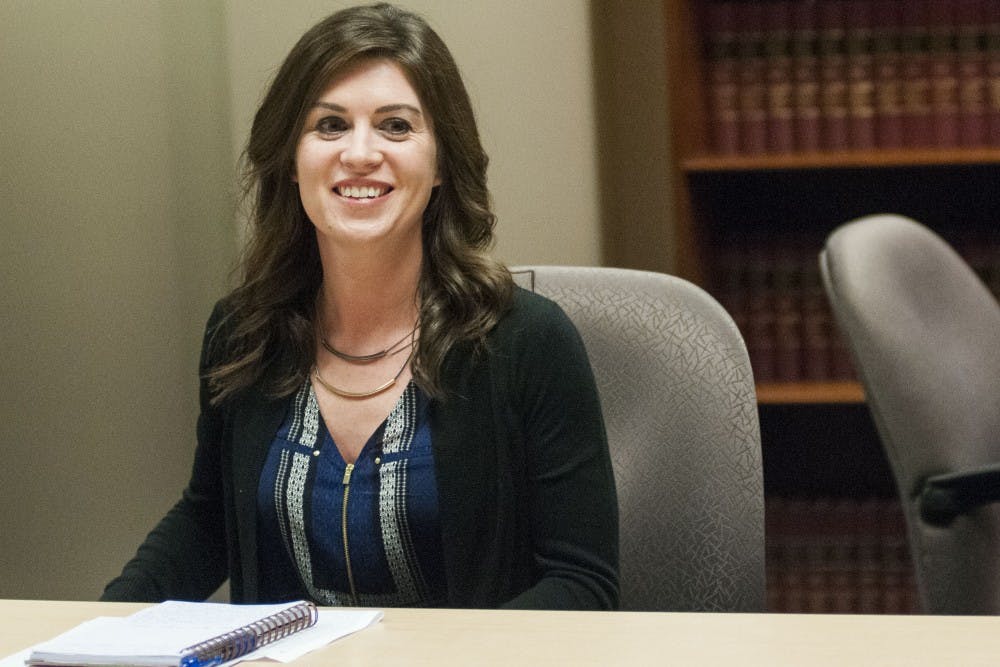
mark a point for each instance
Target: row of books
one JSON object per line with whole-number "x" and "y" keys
{"x": 774, "y": 293}
{"x": 838, "y": 556}
{"x": 822, "y": 75}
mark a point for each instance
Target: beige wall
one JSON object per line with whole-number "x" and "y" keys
{"x": 632, "y": 140}
{"x": 117, "y": 230}
{"x": 122, "y": 121}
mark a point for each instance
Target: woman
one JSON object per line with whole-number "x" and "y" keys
{"x": 385, "y": 419}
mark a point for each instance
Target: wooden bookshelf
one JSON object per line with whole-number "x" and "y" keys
{"x": 778, "y": 204}
{"x": 761, "y": 200}
{"x": 793, "y": 393}
{"x": 883, "y": 159}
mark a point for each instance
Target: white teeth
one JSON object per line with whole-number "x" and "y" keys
{"x": 363, "y": 192}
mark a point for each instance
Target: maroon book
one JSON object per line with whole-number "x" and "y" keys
{"x": 721, "y": 56}
{"x": 833, "y": 75}
{"x": 778, "y": 76}
{"x": 992, "y": 10}
{"x": 860, "y": 74}
{"x": 786, "y": 271}
{"x": 752, "y": 82}
{"x": 942, "y": 72}
{"x": 916, "y": 114}
{"x": 886, "y": 26}
{"x": 760, "y": 339}
{"x": 817, "y": 323}
{"x": 805, "y": 74}
{"x": 970, "y": 19}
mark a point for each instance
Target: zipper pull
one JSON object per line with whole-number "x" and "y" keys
{"x": 347, "y": 474}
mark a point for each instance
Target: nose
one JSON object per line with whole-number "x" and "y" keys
{"x": 361, "y": 153}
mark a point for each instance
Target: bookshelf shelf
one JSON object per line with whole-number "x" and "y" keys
{"x": 829, "y": 160}
{"x": 794, "y": 393}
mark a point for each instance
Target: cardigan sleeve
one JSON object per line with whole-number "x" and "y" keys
{"x": 571, "y": 498}
{"x": 184, "y": 557}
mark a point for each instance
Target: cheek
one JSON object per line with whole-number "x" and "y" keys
{"x": 308, "y": 163}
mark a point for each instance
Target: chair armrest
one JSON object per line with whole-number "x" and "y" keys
{"x": 944, "y": 497}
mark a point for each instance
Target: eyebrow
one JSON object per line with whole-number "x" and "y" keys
{"x": 388, "y": 108}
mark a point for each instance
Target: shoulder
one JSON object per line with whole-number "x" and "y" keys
{"x": 530, "y": 326}
{"x": 530, "y": 315}
{"x": 535, "y": 333}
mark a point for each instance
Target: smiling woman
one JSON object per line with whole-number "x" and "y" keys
{"x": 385, "y": 418}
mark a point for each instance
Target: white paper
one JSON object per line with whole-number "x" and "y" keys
{"x": 333, "y": 624}
{"x": 159, "y": 634}
{"x": 16, "y": 659}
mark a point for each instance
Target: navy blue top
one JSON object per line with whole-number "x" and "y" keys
{"x": 392, "y": 545}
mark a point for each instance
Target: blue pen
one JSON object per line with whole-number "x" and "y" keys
{"x": 218, "y": 650}
{"x": 194, "y": 661}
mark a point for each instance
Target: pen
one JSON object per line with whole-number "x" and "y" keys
{"x": 221, "y": 649}
{"x": 195, "y": 661}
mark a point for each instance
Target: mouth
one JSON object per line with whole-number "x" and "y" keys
{"x": 362, "y": 191}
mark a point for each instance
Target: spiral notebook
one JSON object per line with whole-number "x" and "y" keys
{"x": 181, "y": 634}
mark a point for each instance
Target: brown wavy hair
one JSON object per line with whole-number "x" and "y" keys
{"x": 268, "y": 331}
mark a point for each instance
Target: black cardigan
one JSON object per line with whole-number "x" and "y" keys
{"x": 525, "y": 486}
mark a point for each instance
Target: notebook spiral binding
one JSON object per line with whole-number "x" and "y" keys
{"x": 250, "y": 637}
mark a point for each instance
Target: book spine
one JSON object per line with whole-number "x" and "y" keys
{"x": 729, "y": 285}
{"x": 778, "y": 76}
{"x": 833, "y": 75}
{"x": 721, "y": 56}
{"x": 860, "y": 74}
{"x": 805, "y": 76}
{"x": 942, "y": 72}
{"x": 787, "y": 304}
{"x": 816, "y": 322}
{"x": 841, "y": 361}
{"x": 916, "y": 116}
{"x": 760, "y": 314}
{"x": 886, "y": 20}
{"x": 992, "y": 48}
{"x": 971, "y": 63}
{"x": 752, "y": 78}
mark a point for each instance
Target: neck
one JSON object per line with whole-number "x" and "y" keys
{"x": 368, "y": 296}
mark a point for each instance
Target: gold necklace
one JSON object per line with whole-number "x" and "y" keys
{"x": 363, "y": 394}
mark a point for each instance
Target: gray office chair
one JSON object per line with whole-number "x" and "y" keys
{"x": 925, "y": 335}
{"x": 680, "y": 409}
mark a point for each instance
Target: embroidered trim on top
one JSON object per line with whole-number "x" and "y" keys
{"x": 411, "y": 587}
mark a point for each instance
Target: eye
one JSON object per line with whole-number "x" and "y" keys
{"x": 331, "y": 125}
{"x": 396, "y": 127}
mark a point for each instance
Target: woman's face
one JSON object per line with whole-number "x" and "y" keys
{"x": 367, "y": 159}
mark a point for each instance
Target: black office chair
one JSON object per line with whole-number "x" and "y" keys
{"x": 680, "y": 408}
{"x": 925, "y": 335}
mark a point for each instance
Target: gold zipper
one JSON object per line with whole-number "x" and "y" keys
{"x": 343, "y": 529}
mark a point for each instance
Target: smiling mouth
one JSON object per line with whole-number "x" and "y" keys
{"x": 361, "y": 192}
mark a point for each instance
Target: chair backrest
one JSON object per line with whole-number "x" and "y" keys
{"x": 925, "y": 335}
{"x": 680, "y": 410}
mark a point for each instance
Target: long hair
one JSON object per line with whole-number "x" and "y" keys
{"x": 268, "y": 333}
